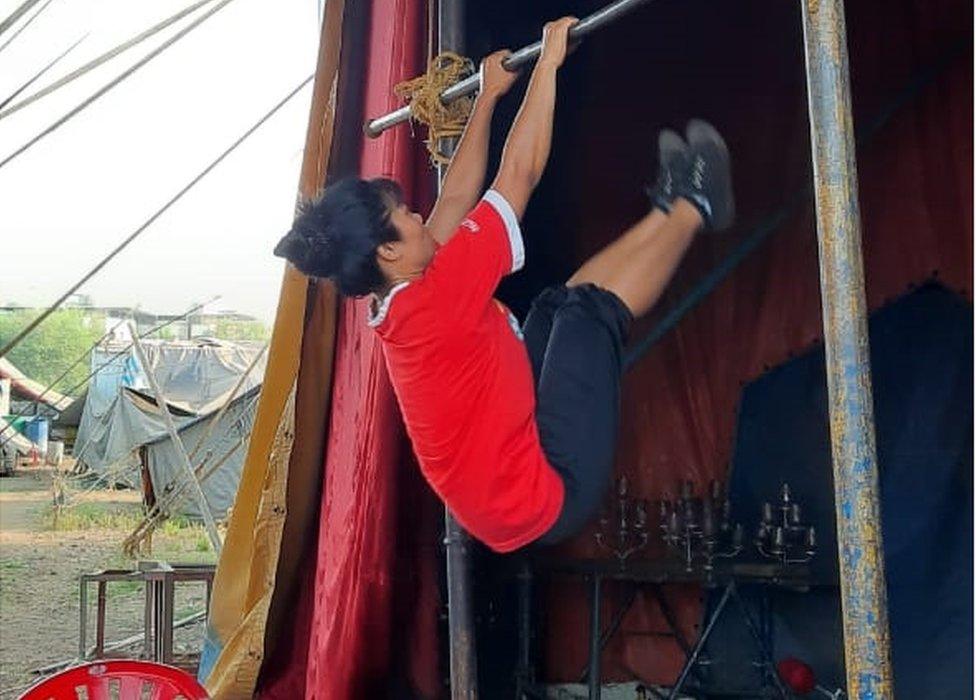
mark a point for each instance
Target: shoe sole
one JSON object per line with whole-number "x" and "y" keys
{"x": 702, "y": 135}
{"x": 670, "y": 145}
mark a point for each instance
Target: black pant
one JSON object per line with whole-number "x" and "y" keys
{"x": 575, "y": 338}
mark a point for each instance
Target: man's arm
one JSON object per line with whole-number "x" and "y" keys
{"x": 527, "y": 147}
{"x": 465, "y": 176}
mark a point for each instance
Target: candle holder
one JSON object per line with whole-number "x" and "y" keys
{"x": 623, "y": 527}
{"x": 700, "y": 528}
{"x": 782, "y": 535}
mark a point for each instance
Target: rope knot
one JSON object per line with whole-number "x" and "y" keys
{"x": 423, "y": 95}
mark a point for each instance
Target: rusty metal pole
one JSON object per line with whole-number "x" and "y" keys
{"x": 862, "y": 579}
{"x": 464, "y": 661}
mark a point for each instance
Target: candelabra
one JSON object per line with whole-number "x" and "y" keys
{"x": 782, "y": 535}
{"x": 701, "y": 528}
{"x": 623, "y": 528}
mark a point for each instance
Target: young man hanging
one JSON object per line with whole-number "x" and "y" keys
{"x": 514, "y": 429}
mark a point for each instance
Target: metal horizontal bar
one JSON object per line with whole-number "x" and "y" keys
{"x": 517, "y": 60}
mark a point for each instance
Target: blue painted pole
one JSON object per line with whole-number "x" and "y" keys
{"x": 862, "y": 579}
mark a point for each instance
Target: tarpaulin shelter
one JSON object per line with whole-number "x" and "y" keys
{"x": 121, "y": 414}
{"x": 13, "y": 440}
{"x": 218, "y": 442}
{"x": 329, "y": 581}
{"x": 70, "y": 417}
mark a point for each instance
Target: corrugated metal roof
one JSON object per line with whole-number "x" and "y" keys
{"x": 31, "y": 389}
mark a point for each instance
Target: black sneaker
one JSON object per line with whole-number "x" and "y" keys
{"x": 708, "y": 184}
{"x": 672, "y": 159}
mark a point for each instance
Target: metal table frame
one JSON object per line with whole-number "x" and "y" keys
{"x": 160, "y": 590}
{"x": 729, "y": 577}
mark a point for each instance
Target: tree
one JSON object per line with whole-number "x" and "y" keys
{"x": 54, "y": 345}
{"x": 239, "y": 329}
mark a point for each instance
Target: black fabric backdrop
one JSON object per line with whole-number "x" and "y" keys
{"x": 922, "y": 362}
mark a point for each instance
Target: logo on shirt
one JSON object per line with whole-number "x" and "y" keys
{"x": 472, "y": 226}
{"x": 512, "y": 321}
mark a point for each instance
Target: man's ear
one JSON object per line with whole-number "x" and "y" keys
{"x": 388, "y": 251}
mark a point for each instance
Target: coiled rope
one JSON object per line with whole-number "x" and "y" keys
{"x": 423, "y": 95}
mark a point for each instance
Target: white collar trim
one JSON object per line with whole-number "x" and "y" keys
{"x": 379, "y": 316}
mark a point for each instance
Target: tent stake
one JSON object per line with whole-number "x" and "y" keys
{"x": 862, "y": 580}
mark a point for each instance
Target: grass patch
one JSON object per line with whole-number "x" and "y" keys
{"x": 174, "y": 525}
{"x": 190, "y": 547}
{"x": 93, "y": 516}
{"x": 177, "y": 539}
{"x": 123, "y": 589}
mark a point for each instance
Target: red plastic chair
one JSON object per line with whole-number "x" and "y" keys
{"x": 121, "y": 680}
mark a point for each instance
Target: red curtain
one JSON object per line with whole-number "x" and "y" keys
{"x": 351, "y": 651}
{"x": 368, "y": 611}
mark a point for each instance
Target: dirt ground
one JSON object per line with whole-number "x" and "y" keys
{"x": 40, "y": 563}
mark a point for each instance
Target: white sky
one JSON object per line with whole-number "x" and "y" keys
{"x": 72, "y": 197}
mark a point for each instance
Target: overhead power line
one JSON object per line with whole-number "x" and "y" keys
{"x": 41, "y": 72}
{"x": 125, "y": 74}
{"x": 25, "y": 25}
{"x": 16, "y": 14}
{"x": 107, "y": 56}
{"x": 135, "y": 234}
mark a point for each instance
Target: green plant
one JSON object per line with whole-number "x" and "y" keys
{"x": 52, "y": 347}
{"x": 93, "y": 516}
{"x": 228, "y": 329}
{"x": 172, "y": 525}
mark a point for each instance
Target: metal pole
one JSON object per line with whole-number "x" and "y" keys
{"x": 862, "y": 581}
{"x": 460, "y": 617}
{"x": 523, "y": 56}
{"x": 524, "y": 679}
{"x": 100, "y": 620}
{"x": 702, "y": 640}
{"x": 201, "y": 499}
{"x": 593, "y": 673}
{"x": 83, "y": 619}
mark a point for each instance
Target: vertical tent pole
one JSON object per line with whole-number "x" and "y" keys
{"x": 593, "y": 672}
{"x": 464, "y": 664}
{"x": 866, "y": 637}
{"x": 163, "y": 404}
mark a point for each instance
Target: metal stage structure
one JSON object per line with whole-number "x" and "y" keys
{"x": 866, "y": 634}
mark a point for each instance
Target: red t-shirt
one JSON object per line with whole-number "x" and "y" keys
{"x": 464, "y": 382}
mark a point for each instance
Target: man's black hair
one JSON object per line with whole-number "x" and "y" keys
{"x": 336, "y": 236}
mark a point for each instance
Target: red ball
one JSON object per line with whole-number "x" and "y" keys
{"x": 797, "y": 675}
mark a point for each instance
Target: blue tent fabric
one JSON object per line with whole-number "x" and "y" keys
{"x": 922, "y": 366}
